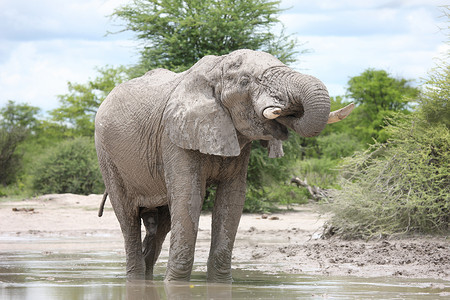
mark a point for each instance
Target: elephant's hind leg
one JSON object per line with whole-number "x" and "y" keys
{"x": 157, "y": 225}
{"x": 127, "y": 214}
{"x": 131, "y": 230}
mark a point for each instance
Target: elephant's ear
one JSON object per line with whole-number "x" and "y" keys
{"x": 195, "y": 119}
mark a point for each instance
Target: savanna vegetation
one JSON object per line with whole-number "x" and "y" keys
{"x": 388, "y": 161}
{"x": 401, "y": 185}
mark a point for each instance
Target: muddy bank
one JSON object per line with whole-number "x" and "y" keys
{"x": 284, "y": 242}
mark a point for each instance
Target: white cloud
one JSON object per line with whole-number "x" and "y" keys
{"x": 335, "y": 58}
{"x": 331, "y": 6}
{"x": 44, "y": 44}
{"x": 348, "y": 37}
{"x": 48, "y": 19}
{"x": 38, "y": 71}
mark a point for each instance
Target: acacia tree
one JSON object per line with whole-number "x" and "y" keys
{"x": 177, "y": 33}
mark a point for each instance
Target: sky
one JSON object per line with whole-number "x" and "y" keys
{"x": 46, "y": 44}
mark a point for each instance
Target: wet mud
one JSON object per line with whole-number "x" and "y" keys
{"x": 56, "y": 247}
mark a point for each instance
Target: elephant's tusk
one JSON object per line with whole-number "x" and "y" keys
{"x": 272, "y": 112}
{"x": 340, "y": 114}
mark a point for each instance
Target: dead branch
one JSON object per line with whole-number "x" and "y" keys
{"x": 316, "y": 193}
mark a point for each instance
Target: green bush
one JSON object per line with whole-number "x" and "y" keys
{"x": 286, "y": 194}
{"x": 320, "y": 172}
{"x": 264, "y": 172}
{"x": 69, "y": 167}
{"x": 338, "y": 145}
{"x": 398, "y": 187}
{"x": 256, "y": 201}
{"x": 10, "y": 158}
{"x": 403, "y": 185}
{"x": 434, "y": 102}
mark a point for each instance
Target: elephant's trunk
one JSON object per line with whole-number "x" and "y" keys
{"x": 309, "y": 105}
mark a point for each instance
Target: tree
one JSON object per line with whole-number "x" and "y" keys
{"x": 377, "y": 91}
{"x": 18, "y": 116}
{"x": 16, "y": 123}
{"x": 79, "y": 106}
{"x": 378, "y": 96}
{"x": 175, "y": 34}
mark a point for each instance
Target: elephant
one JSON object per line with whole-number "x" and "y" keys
{"x": 163, "y": 138}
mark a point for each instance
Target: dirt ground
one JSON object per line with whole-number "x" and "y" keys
{"x": 288, "y": 242}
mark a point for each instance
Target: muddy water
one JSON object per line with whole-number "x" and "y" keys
{"x": 100, "y": 275}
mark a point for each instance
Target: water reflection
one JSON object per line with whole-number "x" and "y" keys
{"x": 100, "y": 275}
{"x": 163, "y": 290}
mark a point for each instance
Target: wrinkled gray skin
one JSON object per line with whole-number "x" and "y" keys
{"x": 164, "y": 137}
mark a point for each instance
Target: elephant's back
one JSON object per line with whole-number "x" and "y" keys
{"x": 147, "y": 90}
{"x": 136, "y": 99}
{"x": 128, "y": 124}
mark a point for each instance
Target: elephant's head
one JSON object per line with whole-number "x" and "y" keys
{"x": 245, "y": 95}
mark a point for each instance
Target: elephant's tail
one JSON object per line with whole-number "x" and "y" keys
{"x": 102, "y": 204}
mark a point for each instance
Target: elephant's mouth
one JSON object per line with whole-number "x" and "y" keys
{"x": 280, "y": 120}
{"x": 277, "y": 130}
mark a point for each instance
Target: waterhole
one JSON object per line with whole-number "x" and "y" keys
{"x": 100, "y": 275}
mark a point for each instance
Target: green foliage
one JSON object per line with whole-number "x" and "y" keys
{"x": 287, "y": 194}
{"x": 336, "y": 146}
{"x": 15, "y": 191}
{"x": 434, "y": 101}
{"x": 268, "y": 198}
{"x": 377, "y": 91}
{"x": 18, "y": 116}
{"x": 321, "y": 172}
{"x": 322, "y": 154}
{"x": 79, "y": 106}
{"x": 403, "y": 185}
{"x": 378, "y": 96}
{"x": 16, "y": 123}
{"x": 175, "y": 34}
{"x": 10, "y": 159}
{"x": 69, "y": 167}
{"x": 256, "y": 201}
{"x": 264, "y": 172}
{"x": 266, "y": 178}
{"x": 264, "y": 199}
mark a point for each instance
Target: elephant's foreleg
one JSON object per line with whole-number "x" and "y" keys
{"x": 157, "y": 225}
{"x": 185, "y": 215}
{"x": 227, "y": 212}
{"x": 186, "y": 188}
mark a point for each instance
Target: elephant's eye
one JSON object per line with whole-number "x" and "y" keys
{"x": 244, "y": 81}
